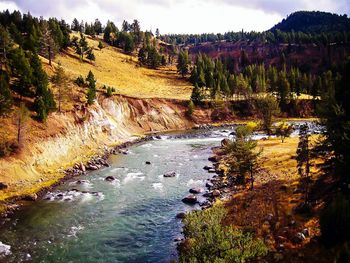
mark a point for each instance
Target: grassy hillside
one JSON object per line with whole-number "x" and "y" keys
{"x": 113, "y": 68}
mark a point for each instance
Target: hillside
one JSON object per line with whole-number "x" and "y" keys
{"x": 313, "y": 22}
{"x": 121, "y": 71}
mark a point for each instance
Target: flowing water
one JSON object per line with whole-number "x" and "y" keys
{"x": 131, "y": 219}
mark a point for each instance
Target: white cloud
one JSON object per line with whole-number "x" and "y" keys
{"x": 8, "y": 5}
{"x": 178, "y": 16}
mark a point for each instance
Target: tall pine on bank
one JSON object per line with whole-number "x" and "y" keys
{"x": 44, "y": 102}
{"x": 183, "y": 63}
{"x": 6, "y": 100}
{"x": 91, "y": 93}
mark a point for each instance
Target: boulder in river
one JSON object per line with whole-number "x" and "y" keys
{"x": 216, "y": 193}
{"x": 170, "y": 174}
{"x": 93, "y": 167}
{"x": 5, "y": 250}
{"x": 209, "y": 185}
{"x": 225, "y": 142}
{"x": 190, "y": 199}
{"x": 213, "y": 159}
{"x": 207, "y": 167}
{"x": 82, "y": 167}
{"x": 181, "y": 215}
{"x": 196, "y": 190}
{"x": 30, "y": 197}
{"x": 110, "y": 178}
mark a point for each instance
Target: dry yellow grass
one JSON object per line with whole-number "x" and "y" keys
{"x": 121, "y": 71}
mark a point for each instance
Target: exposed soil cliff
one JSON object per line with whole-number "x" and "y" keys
{"x": 82, "y": 134}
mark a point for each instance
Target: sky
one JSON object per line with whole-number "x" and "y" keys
{"x": 178, "y": 16}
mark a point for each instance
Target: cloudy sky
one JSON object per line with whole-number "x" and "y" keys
{"x": 179, "y": 16}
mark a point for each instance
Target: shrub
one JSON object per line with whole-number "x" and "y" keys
{"x": 207, "y": 240}
{"x": 109, "y": 92}
{"x": 335, "y": 221}
{"x": 7, "y": 148}
{"x": 190, "y": 108}
{"x": 80, "y": 81}
{"x": 283, "y": 130}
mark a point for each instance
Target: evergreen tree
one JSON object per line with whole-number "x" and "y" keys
{"x": 100, "y": 45}
{"x": 196, "y": 96}
{"x": 97, "y": 27}
{"x": 22, "y": 72}
{"x": 183, "y": 63}
{"x": 75, "y": 25}
{"x": 303, "y": 158}
{"x": 242, "y": 156}
{"x": 90, "y": 55}
{"x": 40, "y": 109}
{"x": 6, "y": 100}
{"x": 267, "y": 108}
{"x": 60, "y": 81}
{"x": 91, "y": 93}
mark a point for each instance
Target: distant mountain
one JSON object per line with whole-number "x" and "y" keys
{"x": 313, "y": 22}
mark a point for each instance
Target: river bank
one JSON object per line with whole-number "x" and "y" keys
{"x": 272, "y": 210}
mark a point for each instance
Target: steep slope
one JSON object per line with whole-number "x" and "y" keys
{"x": 108, "y": 123}
{"x": 121, "y": 71}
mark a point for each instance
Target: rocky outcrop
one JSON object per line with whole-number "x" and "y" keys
{"x": 82, "y": 134}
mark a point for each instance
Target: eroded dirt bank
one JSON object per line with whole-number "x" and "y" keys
{"x": 82, "y": 134}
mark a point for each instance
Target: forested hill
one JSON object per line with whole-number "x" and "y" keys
{"x": 314, "y": 22}
{"x": 301, "y": 27}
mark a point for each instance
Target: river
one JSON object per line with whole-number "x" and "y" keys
{"x": 132, "y": 219}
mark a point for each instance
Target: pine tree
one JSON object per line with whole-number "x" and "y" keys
{"x": 48, "y": 47}
{"x": 267, "y": 108}
{"x": 90, "y": 55}
{"x": 91, "y": 93}
{"x": 5, "y": 46}
{"x": 22, "y": 72}
{"x": 303, "y": 158}
{"x": 196, "y": 96}
{"x": 40, "y": 109}
{"x": 142, "y": 55}
{"x": 242, "y": 156}
{"x": 44, "y": 102}
{"x": 97, "y": 27}
{"x": 6, "y": 100}
{"x": 60, "y": 81}
{"x": 100, "y": 45}
{"x": 183, "y": 63}
{"x": 75, "y": 25}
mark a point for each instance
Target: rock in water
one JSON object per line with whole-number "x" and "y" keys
{"x": 82, "y": 167}
{"x": 216, "y": 193}
{"x": 195, "y": 190}
{"x": 170, "y": 174}
{"x": 30, "y": 197}
{"x": 5, "y": 250}
{"x": 190, "y": 199}
{"x": 110, "y": 178}
{"x": 213, "y": 159}
{"x": 181, "y": 215}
